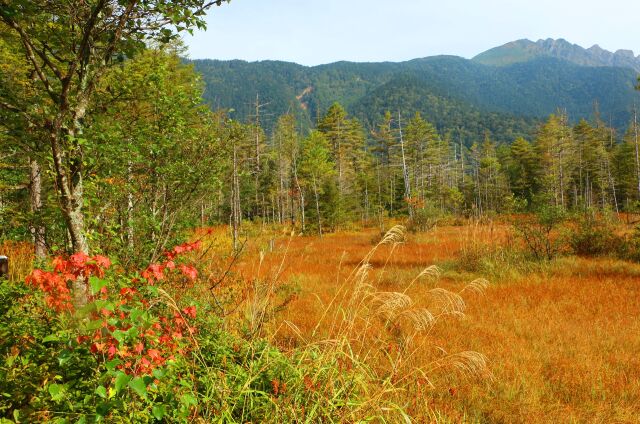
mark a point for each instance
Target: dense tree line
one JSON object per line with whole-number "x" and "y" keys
{"x": 338, "y": 173}
{"x": 120, "y": 154}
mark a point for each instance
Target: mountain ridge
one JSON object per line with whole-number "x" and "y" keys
{"x": 455, "y": 93}
{"x": 525, "y": 49}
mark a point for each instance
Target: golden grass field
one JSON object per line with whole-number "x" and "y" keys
{"x": 562, "y": 339}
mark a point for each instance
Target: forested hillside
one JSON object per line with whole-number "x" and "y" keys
{"x": 447, "y": 90}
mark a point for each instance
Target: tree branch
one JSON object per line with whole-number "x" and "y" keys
{"x": 31, "y": 55}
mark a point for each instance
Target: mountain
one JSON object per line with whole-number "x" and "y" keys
{"x": 525, "y": 50}
{"x": 463, "y": 97}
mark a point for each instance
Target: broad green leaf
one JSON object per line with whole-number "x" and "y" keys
{"x": 188, "y": 399}
{"x": 119, "y": 335}
{"x": 135, "y": 313}
{"x": 56, "y": 391}
{"x": 96, "y": 284}
{"x": 64, "y": 357}
{"x": 111, "y": 365}
{"x": 103, "y": 409}
{"x": 102, "y": 392}
{"x": 122, "y": 380}
{"x": 138, "y": 385}
{"x": 159, "y": 411}
{"x": 159, "y": 373}
{"x": 94, "y": 325}
{"x": 50, "y": 338}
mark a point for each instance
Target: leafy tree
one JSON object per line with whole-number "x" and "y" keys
{"x": 155, "y": 158}
{"x": 316, "y": 172}
{"x": 68, "y": 47}
{"x": 521, "y": 169}
{"x": 346, "y": 138}
{"x": 554, "y": 147}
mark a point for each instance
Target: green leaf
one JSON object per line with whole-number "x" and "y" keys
{"x": 159, "y": 411}
{"x": 96, "y": 284}
{"x": 111, "y": 365}
{"x": 138, "y": 385}
{"x": 122, "y": 380}
{"x": 64, "y": 357}
{"x": 159, "y": 373}
{"x": 153, "y": 290}
{"x": 50, "y": 338}
{"x": 102, "y": 392}
{"x": 132, "y": 333}
{"x": 56, "y": 391}
{"x": 119, "y": 335}
{"x": 94, "y": 325}
{"x": 103, "y": 409}
{"x": 135, "y": 313}
{"x": 188, "y": 399}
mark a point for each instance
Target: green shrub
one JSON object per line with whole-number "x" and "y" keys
{"x": 595, "y": 236}
{"x": 539, "y": 231}
{"x": 424, "y": 219}
{"x": 631, "y": 247}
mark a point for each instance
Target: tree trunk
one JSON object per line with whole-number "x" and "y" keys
{"x": 317, "y": 196}
{"x": 236, "y": 214}
{"x": 130, "y": 233}
{"x": 38, "y": 231}
{"x": 405, "y": 171}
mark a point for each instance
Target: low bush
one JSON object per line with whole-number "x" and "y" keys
{"x": 595, "y": 235}
{"x": 424, "y": 219}
{"x": 631, "y": 246}
{"x": 540, "y": 231}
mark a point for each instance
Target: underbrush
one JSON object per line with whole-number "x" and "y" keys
{"x": 172, "y": 344}
{"x": 494, "y": 252}
{"x": 533, "y": 242}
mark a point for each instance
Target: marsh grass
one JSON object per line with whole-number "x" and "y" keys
{"x": 363, "y": 350}
{"x": 382, "y": 338}
{"x": 21, "y": 259}
{"x": 561, "y": 334}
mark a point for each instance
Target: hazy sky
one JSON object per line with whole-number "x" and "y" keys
{"x": 312, "y": 32}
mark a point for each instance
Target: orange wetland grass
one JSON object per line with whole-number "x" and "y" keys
{"x": 561, "y": 341}
{"x": 21, "y": 258}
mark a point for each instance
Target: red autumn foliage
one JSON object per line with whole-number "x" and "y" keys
{"x": 189, "y": 271}
{"x": 156, "y": 272}
{"x": 190, "y": 311}
{"x": 56, "y": 284}
{"x": 155, "y": 343}
{"x": 152, "y": 348}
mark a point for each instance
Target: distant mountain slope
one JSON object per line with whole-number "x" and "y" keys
{"x": 465, "y": 96}
{"x": 525, "y": 50}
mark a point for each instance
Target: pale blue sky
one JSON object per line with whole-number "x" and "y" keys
{"x": 312, "y": 32}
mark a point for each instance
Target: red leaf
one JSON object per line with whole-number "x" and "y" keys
{"x": 189, "y": 271}
{"x": 102, "y": 261}
{"x": 78, "y": 260}
{"x": 190, "y": 311}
